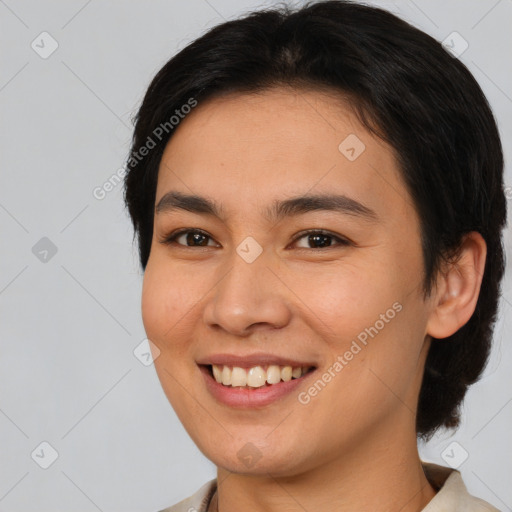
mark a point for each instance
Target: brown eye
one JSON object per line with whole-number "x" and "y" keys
{"x": 189, "y": 238}
{"x": 320, "y": 240}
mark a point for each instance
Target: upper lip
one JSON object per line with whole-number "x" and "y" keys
{"x": 251, "y": 360}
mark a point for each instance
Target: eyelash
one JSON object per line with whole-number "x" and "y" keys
{"x": 171, "y": 239}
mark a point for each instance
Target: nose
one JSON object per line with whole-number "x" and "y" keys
{"x": 248, "y": 297}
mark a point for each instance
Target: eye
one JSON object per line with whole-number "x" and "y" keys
{"x": 321, "y": 239}
{"x": 197, "y": 238}
{"x": 189, "y": 238}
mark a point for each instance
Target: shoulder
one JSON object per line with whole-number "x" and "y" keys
{"x": 452, "y": 494}
{"x": 198, "y": 502}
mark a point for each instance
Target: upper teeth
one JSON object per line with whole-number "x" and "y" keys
{"x": 256, "y": 376}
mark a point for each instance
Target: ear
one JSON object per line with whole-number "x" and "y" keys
{"x": 458, "y": 288}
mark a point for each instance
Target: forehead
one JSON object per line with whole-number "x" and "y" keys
{"x": 280, "y": 142}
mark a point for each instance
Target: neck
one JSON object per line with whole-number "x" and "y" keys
{"x": 382, "y": 475}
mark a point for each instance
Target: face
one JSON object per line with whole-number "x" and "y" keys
{"x": 321, "y": 297}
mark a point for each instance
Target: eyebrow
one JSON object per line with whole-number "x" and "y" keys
{"x": 279, "y": 209}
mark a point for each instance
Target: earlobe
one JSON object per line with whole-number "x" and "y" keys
{"x": 458, "y": 288}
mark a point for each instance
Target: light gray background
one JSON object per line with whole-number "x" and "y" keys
{"x": 69, "y": 326}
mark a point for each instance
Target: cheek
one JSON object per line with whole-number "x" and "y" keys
{"x": 155, "y": 305}
{"x": 167, "y": 299}
{"x": 347, "y": 298}
{"x": 371, "y": 317}
{"x": 167, "y": 324}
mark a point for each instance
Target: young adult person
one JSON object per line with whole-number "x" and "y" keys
{"x": 318, "y": 199}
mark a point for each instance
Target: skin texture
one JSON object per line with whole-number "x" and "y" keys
{"x": 353, "y": 445}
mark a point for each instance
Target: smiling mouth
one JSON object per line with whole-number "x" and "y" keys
{"x": 256, "y": 376}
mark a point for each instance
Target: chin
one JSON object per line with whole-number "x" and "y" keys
{"x": 248, "y": 458}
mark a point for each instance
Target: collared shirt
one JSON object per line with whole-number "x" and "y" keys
{"x": 451, "y": 496}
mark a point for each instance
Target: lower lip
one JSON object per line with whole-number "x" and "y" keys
{"x": 251, "y": 397}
